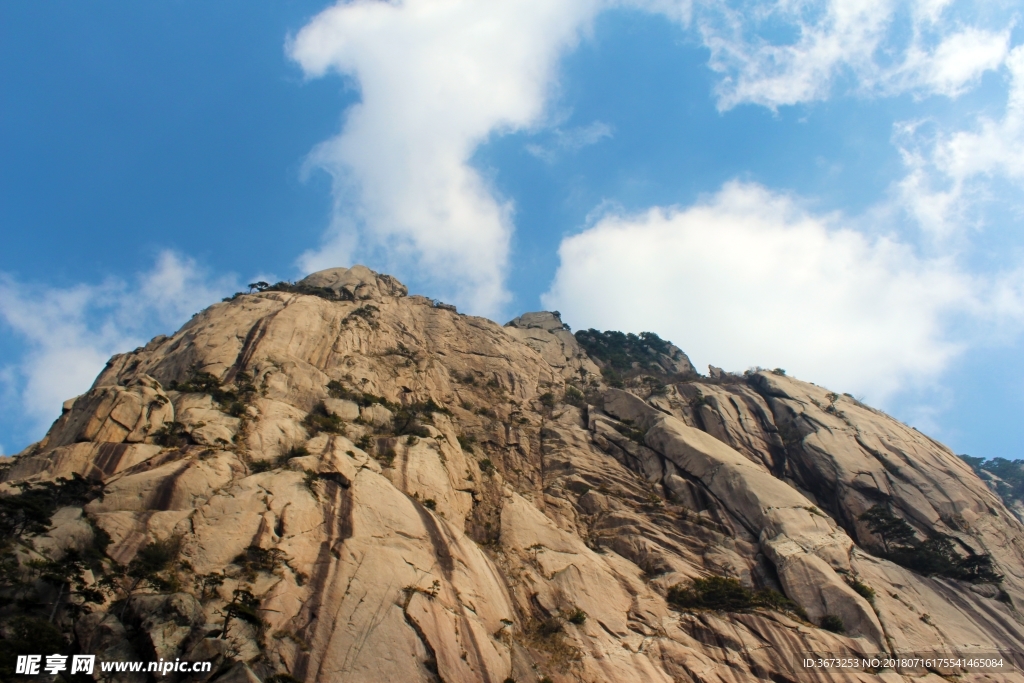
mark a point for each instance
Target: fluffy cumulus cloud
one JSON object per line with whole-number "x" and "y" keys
{"x": 436, "y": 79}
{"x": 70, "y": 333}
{"x": 785, "y": 53}
{"x": 749, "y": 278}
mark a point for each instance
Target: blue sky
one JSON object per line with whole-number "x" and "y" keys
{"x": 832, "y": 187}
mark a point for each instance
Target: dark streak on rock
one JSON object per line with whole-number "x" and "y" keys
{"x": 431, "y": 662}
{"x": 338, "y": 524}
{"x": 107, "y": 459}
{"x": 252, "y": 340}
{"x": 165, "y": 491}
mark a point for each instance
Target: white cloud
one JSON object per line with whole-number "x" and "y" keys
{"x": 756, "y": 70}
{"x": 932, "y": 202}
{"x": 436, "y": 79}
{"x": 570, "y": 140}
{"x": 996, "y": 146}
{"x": 959, "y": 60}
{"x": 70, "y": 333}
{"x": 949, "y": 174}
{"x": 749, "y": 278}
{"x": 790, "y": 52}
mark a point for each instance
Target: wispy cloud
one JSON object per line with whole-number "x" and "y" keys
{"x": 70, "y": 333}
{"x": 995, "y": 146}
{"x": 784, "y": 53}
{"x": 949, "y": 172}
{"x": 570, "y": 140}
{"x": 956, "y": 62}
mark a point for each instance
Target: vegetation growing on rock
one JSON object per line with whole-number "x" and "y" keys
{"x": 320, "y": 420}
{"x": 621, "y": 350}
{"x": 831, "y": 622}
{"x": 295, "y": 288}
{"x": 231, "y": 401}
{"x": 726, "y": 594}
{"x": 934, "y": 556}
{"x": 1005, "y": 477}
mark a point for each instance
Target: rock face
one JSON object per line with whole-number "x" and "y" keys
{"x": 357, "y": 283}
{"x": 368, "y": 486}
{"x": 546, "y": 334}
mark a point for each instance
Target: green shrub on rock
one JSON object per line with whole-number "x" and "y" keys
{"x": 831, "y": 622}
{"x": 864, "y": 590}
{"x": 576, "y": 616}
{"x": 320, "y": 420}
{"x": 935, "y": 556}
{"x": 726, "y": 594}
{"x": 231, "y": 401}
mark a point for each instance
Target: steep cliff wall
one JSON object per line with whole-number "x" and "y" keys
{"x": 337, "y": 481}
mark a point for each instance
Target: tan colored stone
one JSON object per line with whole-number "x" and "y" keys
{"x": 207, "y": 424}
{"x": 536, "y": 512}
{"x": 277, "y": 429}
{"x": 114, "y": 414}
{"x": 544, "y": 333}
{"x": 376, "y": 415}
{"x": 806, "y": 548}
{"x": 359, "y": 282}
{"x": 88, "y": 459}
{"x": 341, "y": 409}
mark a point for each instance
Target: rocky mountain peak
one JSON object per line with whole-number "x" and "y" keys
{"x": 332, "y": 480}
{"x": 358, "y": 282}
{"x": 541, "y": 320}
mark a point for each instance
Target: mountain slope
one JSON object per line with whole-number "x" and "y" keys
{"x": 337, "y": 481}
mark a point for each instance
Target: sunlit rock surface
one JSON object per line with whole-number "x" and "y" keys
{"x": 405, "y": 493}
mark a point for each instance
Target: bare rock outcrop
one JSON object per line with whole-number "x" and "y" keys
{"x": 114, "y": 414}
{"x": 357, "y": 283}
{"x": 545, "y": 333}
{"x": 334, "y": 480}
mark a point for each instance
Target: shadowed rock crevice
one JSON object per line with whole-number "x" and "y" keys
{"x": 437, "y": 540}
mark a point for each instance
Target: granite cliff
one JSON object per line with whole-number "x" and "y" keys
{"x": 333, "y": 480}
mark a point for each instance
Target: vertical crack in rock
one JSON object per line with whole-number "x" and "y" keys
{"x": 437, "y": 540}
{"x": 109, "y": 457}
{"x": 431, "y": 662}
